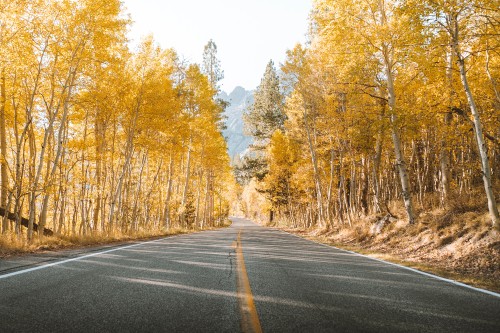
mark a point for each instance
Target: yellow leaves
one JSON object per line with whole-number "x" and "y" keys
{"x": 80, "y": 144}
{"x": 283, "y": 153}
{"x": 282, "y": 150}
{"x": 198, "y": 94}
{"x": 91, "y": 123}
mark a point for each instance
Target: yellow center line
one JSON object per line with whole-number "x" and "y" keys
{"x": 249, "y": 318}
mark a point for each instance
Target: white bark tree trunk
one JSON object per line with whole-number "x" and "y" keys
{"x": 60, "y": 147}
{"x": 478, "y": 128}
{"x": 317, "y": 179}
{"x": 3, "y": 152}
{"x": 186, "y": 179}
{"x": 398, "y": 151}
{"x": 444, "y": 156}
{"x": 169, "y": 190}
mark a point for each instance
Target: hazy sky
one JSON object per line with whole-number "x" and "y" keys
{"x": 247, "y": 33}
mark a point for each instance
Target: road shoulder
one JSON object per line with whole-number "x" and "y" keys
{"x": 488, "y": 284}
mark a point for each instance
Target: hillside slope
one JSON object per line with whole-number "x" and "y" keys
{"x": 239, "y": 99}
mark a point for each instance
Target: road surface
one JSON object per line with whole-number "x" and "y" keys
{"x": 243, "y": 278}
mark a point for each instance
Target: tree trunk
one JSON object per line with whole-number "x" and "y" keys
{"x": 3, "y": 151}
{"x": 478, "y": 129}
{"x": 129, "y": 151}
{"x": 31, "y": 178}
{"x": 317, "y": 180}
{"x": 376, "y": 161}
{"x": 444, "y": 156}
{"x": 138, "y": 194}
{"x": 60, "y": 148}
{"x": 329, "y": 213}
{"x": 207, "y": 198}
{"x": 198, "y": 199}
{"x": 186, "y": 179}
{"x": 491, "y": 78}
{"x": 24, "y": 221}
{"x": 398, "y": 151}
{"x": 98, "y": 133}
{"x": 169, "y": 190}
{"x": 364, "y": 188}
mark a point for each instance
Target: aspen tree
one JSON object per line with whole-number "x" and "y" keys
{"x": 95, "y": 129}
{"x": 10, "y": 26}
{"x": 383, "y": 28}
{"x": 459, "y": 17}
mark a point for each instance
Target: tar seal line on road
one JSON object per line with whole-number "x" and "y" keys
{"x": 250, "y": 322}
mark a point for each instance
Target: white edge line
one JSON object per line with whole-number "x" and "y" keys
{"x": 23, "y": 271}
{"x": 484, "y": 291}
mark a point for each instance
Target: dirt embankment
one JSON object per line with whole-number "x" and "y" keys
{"x": 455, "y": 243}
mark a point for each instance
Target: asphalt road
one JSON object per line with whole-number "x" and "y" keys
{"x": 188, "y": 283}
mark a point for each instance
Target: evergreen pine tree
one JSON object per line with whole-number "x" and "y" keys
{"x": 263, "y": 118}
{"x": 266, "y": 114}
{"x": 211, "y": 65}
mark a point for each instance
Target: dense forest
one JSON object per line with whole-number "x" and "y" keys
{"x": 391, "y": 108}
{"x": 98, "y": 139}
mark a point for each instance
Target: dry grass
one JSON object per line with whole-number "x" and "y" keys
{"x": 11, "y": 245}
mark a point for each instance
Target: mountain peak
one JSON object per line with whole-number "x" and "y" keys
{"x": 237, "y": 141}
{"x": 237, "y": 95}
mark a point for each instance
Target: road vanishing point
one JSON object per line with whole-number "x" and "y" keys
{"x": 245, "y": 278}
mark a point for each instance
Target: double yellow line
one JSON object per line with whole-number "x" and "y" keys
{"x": 249, "y": 318}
